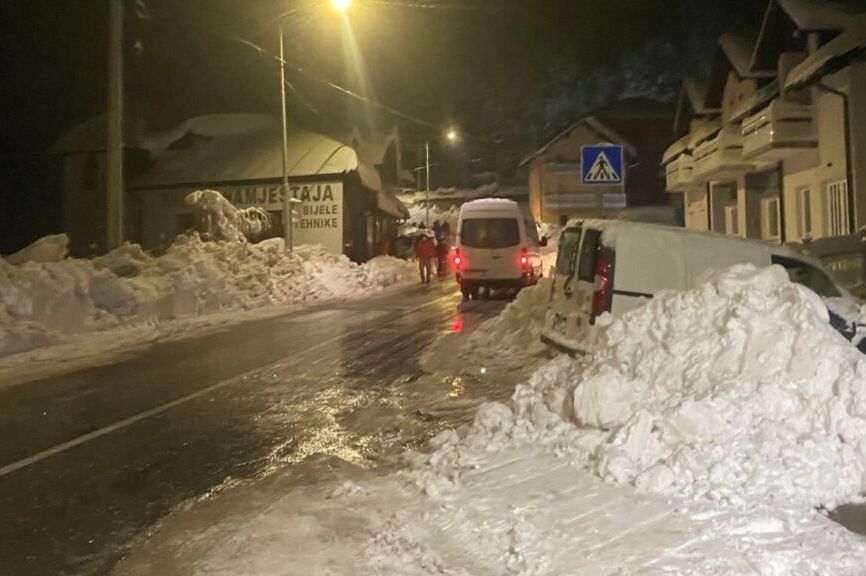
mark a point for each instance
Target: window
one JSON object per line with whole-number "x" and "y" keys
{"x": 567, "y": 246}
{"x": 490, "y": 233}
{"x": 807, "y": 275}
{"x": 732, "y": 220}
{"x": 837, "y": 208}
{"x": 804, "y": 195}
{"x": 770, "y": 218}
{"x": 588, "y": 251}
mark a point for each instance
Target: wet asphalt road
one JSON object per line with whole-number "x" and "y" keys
{"x": 91, "y": 459}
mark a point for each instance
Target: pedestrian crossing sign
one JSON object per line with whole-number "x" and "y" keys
{"x": 602, "y": 165}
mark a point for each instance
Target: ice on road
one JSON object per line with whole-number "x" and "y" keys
{"x": 707, "y": 435}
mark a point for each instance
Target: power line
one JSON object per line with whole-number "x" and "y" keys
{"x": 237, "y": 38}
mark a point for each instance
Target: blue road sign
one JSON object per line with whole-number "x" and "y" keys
{"x": 602, "y": 165}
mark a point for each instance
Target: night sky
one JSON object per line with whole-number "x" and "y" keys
{"x": 507, "y": 72}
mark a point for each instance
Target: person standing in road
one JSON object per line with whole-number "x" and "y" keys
{"x": 425, "y": 250}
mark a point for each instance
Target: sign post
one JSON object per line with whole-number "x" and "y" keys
{"x": 603, "y": 165}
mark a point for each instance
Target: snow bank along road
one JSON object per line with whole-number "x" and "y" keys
{"x": 91, "y": 458}
{"x": 706, "y": 434}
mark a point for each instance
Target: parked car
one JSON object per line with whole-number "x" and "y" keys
{"x": 497, "y": 247}
{"x": 612, "y": 266}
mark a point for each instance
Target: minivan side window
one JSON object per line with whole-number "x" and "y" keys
{"x": 567, "y": 246}
{"x": 807, "y": 275}
{"x": 588, "y": 252}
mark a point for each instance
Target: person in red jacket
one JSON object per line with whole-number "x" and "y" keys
{"x": 425, "y": 250}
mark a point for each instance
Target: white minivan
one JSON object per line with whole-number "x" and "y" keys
{"x": 612, "y": 266}
{"x": 497, "y": 247}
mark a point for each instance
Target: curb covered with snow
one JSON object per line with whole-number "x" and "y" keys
{"x": 45, "y": 300}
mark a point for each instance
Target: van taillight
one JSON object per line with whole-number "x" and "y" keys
{"x": 458, "y": 259}
{"x": 524, "y": 257}
{"x": 602, "y": 298}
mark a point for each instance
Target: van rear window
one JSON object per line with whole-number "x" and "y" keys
{"x": 490, "y": 233}
{"x": 567, "y": 246}
{"x": 588, "y": 251}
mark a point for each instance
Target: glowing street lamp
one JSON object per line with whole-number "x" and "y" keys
{"x": 340, "y": 6}
{"x": 452, "y": 136}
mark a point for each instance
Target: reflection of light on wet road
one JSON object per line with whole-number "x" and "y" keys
{"x": 457, "y": 325}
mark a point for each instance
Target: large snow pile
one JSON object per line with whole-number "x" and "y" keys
{"x": 738, "y": 391}
{"x": 51, "y": 248}
{"x": 43, "y": 302}
{"x": 219, "y": 219}
{"x": 517, "y": 330}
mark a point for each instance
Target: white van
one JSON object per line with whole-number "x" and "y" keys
{"x": 497, "y": 247}
{"x": 612, "y": 266}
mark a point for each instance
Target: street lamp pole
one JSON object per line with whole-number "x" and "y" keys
{"x": 114, "y": 233}
{"x": 287, "y": 201}
{"x": 427, "y": 172}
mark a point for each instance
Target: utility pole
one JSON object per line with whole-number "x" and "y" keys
{"x": 427, "y": 149}
{"x": 114, "y": 149}
{"x": 287, "y": 200}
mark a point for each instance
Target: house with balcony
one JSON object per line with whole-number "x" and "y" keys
{"x": 708, "y": 164}
{"x": 556, "y": 190}
{"x": 774, "y": 148}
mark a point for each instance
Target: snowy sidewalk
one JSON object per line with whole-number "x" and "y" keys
{"x": 519, "y": 512}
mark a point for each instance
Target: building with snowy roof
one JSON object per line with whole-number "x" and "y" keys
{"x": 774, "y": 148}
{"x": 556, "y": 190}
{"x": 343, "y": 202}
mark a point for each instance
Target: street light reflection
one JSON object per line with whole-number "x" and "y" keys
{"x": 457, "y": 325}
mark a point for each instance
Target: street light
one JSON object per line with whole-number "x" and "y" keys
{"x": 452, "y": 136}
{"x": 341, "y": 6}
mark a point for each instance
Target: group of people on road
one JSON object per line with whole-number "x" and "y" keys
{"x": 432, "y": 244}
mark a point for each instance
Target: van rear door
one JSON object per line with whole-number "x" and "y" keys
{"x": 491, "y": 247}
{"x": 560, "y": 304}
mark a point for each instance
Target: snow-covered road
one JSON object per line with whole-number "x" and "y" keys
{"x": 708, "y": 433}
{"x": 92, "y": 457}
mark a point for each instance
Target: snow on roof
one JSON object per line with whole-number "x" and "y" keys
{"x": 491, "y": 203}
{"x": 815, "y": 14}
{"x": 245, "y": 147}
{"x": 211, "y": 126}
{"x": 706, "y": 131}
{"x": 831, "y": 56}
{"x": 739, "y": 49}
{"x": 756, "y": 100}
{"x": 89, "y": 136}
{"x": 677, "y": 148}
{"x": 696, "y": 91}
